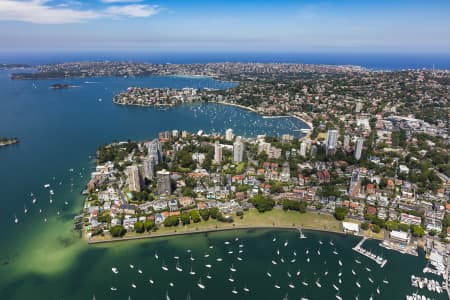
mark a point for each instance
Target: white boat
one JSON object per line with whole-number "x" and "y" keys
{"x": 268, "y": 274}
{"x": 308, "y": 259}
{"x": 282, "y": 260}
{"x": 307, "y": 251}
{"x": 16, "y": 220}
{"x": 357, "y": 284}
{"x": 326, "y": 273}
{"x": 227, "y": 243}
{"x": 304, "y": 283}
{"x": 370, "y": 279}
{"x": 151, "y": 281}
{"x": 274, "y": 239}
{"x": 178, "y": 268}
{"x": 318, "y": 283}
{"x": 318, "y": 252}
{"x": 288, "y": 274}
{"x": 239, "y": 258}
{"x": 210, "y": 247}
{"x": 200, "y": 284}
{"x": 340, "y": 262}
{"x": 331, "y": 243}
{"x": 378, "y": 290}
{"x": 206, "y": 255}
{"x": 192, "y": 258}
{"x": 320, "y": 242}
{"x": 167, "y": 296}
{"x": 293, "y": 260}
{"x": 232, "y": 268}
{"x": 278, "y": 252}
{"x": 66, "y": 203}
{"x": 357, "y": 261}
{"x": 231, "y": 279}
{"x": 40, "y": 210}
{"x": 368, "y": 269}
{"x": 52, "y": 192}
{"x": 171, "y": 284}
{"x": 156, "y": 255}
{"x": 335, "y": 252}
{"x": 276, "y": 286}
{"x": 131, "y": 266}
{"x": 246, "y": 289}
{"x": 230, "y": 252}
{"x": 295, "y": 253}
{"x": 164, "y": 267}
{"x": 34, "y": 200}
{"x": 335, "y": 287}
{"x": 219, "y": 259}
{"x": 340, "y": 274}
{"x": 25, "y": 209}
{"x": 298, "y": 273}
{"x": 286, "y": 243}
{"x": 208, "y": 266}
{"x": 176, "y": 257}
{"x": 191, "y": 272}
{"x": 208, "y": 276}
{"x": 47, "y": 185}
{"x": 234, "y": 291}
{"x": 291, "y": 285}
{"x": 133, "y": 285}
{"x": 140, "y": 271}
{"x": 338, "y": 297}
{"x": 115, "y": 270}
{"x": 274, "y": 262}
{"x": 113, "y": 289}
{"x": 385, "y": 281}
{"x": 353, "y": 272}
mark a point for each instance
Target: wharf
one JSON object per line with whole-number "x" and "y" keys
{"x": 358, "y": 248}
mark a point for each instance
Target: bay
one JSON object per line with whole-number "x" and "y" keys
{"x": 42, "y": 258}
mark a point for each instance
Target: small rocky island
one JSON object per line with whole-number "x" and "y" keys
{"x": 60, "y": 86}
{"x": 8, "y": 141}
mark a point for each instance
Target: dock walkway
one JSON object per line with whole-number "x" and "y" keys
{"x": 358, "y": 248}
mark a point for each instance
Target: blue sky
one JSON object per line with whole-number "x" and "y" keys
{"x": 221, "y": 26}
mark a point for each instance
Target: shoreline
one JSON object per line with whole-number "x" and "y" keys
{"x": 187, "y": 232}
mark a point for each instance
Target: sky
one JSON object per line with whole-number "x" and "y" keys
{"x": 362, "y": 26}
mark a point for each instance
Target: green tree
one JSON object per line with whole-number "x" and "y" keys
{"x": 184, "y": 217}
{"x": 404, "y": 227}
{"x": 214, "y": 212}
{"x": 149, "y": 225}
{"x": 365, "y": 225}
{"x": 139, "y": 227}
{"x": 391, "y": 225}
{"x": 171, "y": 221}
{"x": 417, "y": 231}
{"x": 118, "y": 231}
{"x": 376, "y": 228}
{"x": 340, "y": 213}
{"x": 204, "y": 213}
{"x": 262, "y": 203}
{"x": 195, "y": 216}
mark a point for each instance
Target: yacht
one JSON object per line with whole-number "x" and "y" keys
{"x": 320, "y": 242}
{"x": 156, "y": 255}
{"x": 238, "y": 258}
{"x": 268, "y": 274}
{"x": 335, "y": 252}
{"x": 171, "y": 284}
{"x": 231, "y": 279}
{"x": 52, "y": 192}
{"x": 133, "y": 285}
{"x": 291, "y": 285}
{"x": 370, "y": 279}
{"x": 282, "y": 260}
{"x": 47, "y": 185}
{"x": 288, "y": 274}
{"x": 246, "y": 289}
{"x": 206, "y": 255}
{"x": 298, "y": 273}
{"x": 219, "y": 259}
{"x": 295, "y": 253}
{"x": 368, "y": 269}
{"x": 331, "y": 243}
{"x": 208, "y": 276}
{"x": 385, "y": 281}
{"x": 278, "y": 251}
{"x": 234, "y": 291}
{"x": 167, "y": 296}
{"x": 357, "y": 261}
{"x": 357, "y": 284}
{"x": 114, "y": 270}
{"x": 286, "y": 243}
{"x": 34, "y": 200}
{"x": 293, "y": 260}
{"x": 176, "y": 257}
{"x": 340, "y": 262}
{"x": 151, "y": 281}
{"x": 192, "y": 258}
{"x": 318, "y": 283}
{"x": 200, "y": 284}
{"x": 164, "y": 267}
{"x": 318, "y": 251}
{"x": 208, "y": 266}
{"x": 140, "y": 271}
{"x": 227, "y": 243}
{"x": 25, "y": 209}
{"x": 274, "y": 239}
{"x": 131, "y": 266}
{"x": 178, "y": 268}
{"x": 335, "y": 287}
{"x": 232, "y": 268}
{"x": 378, "y": 290}
{"x": 304, "y": 283}
{"x": 276, "y": 286}
{"x": 16, "y": 220}
{"x": 308, "y": 259}
{"x": 191, "y": 272}
{"x": 274, "y": 262}
{"x": 326, "y": 273}
{"x": 113, "y": 289}
{"x": 340, "y": 274}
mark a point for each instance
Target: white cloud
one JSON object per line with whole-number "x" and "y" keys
{"x": 39, "y": 12}
{"x": 133, "y": 10}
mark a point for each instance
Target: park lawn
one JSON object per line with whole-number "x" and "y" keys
{"x": 252, "y": 218}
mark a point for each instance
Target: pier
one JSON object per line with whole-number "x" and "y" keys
{"x": 358, "y": 248}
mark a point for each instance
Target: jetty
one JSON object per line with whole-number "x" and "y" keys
{"x": 302, "y": 236}
{"x": 379, "y": 260}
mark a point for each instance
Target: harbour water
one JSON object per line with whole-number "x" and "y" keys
{"x": 42, "y": 258}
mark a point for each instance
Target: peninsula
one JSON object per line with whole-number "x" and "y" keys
{"x": 8, "y": 141}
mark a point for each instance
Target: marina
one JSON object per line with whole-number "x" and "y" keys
{"x": 379, "y": 260}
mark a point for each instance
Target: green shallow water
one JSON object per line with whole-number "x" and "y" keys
{"x": 47, "y": 260}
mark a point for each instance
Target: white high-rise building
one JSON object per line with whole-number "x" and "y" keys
{"x": 229, "y": 134}
{"x": 133, "y": 180}
{"x": 217, "y": 152}
{"x": 238, "y": 151}
{"x": 359, "y": 146}
{"x": 358, "y": 107}
{"x": 149, "y": 167}
{"x": 163, "y": 186}
{"x": 303, "y": 149}
{"x": 331, "y": 141}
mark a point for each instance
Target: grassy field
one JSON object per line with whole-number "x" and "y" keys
{"x": 252, "y": 219}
